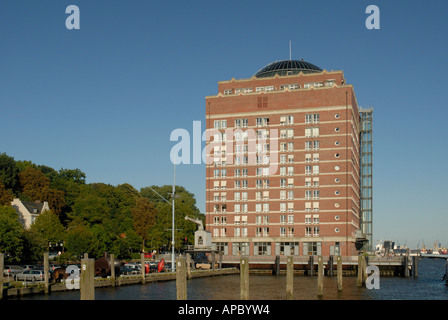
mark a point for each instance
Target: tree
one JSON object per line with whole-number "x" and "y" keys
{"x": 9, "y": 173}
{"x": 80, "y": 240}
{"x": 75, "y": 175}
{"x": 11, "y": 241}
{"x": 91, "y": 209}
{"x": 48, "y": 226}
{"x": 6, "y": 196}
{"x": 34, "y": 183}
{"x": 144, "y": 214}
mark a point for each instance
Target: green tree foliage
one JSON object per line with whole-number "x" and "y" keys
{"x": 144, "y": 215}
{"x": 48, "y": 226}
{"x": 80, "y": 240}
{"x": 6, "y": 196}
{"x": 11, "y": 240}
{"x": 90, "y": 218}
{"x": 9, "y": 173}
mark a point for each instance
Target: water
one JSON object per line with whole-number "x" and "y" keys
{"x": 428, "y": 286}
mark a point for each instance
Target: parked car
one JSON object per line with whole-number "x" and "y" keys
{"x": 30, "y": 275}
{"x": 10, "y": 270}
{"x": 127, "y": 270}
{"x": 29, "y": 267}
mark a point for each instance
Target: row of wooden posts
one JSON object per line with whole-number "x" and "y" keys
{"x": 183, "y": 272}
{"x": 181, "y": 276}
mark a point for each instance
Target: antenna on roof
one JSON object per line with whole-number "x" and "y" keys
{"x": 289, "y": 50}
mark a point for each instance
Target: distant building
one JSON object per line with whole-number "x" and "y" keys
{"x": 29, "y": 211}
{"x": 291, "y": 156}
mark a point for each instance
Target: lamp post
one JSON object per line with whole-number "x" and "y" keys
{"x": 173, "y": 262}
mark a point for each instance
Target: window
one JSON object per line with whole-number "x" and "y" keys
{"x": 291, "y": 195}
{"x": 307, "y": 231}
{"x": 315, "y": 169}
{"x": 241, "y": 123}
{"x": 227, "y": 91}
{"x": 283, "y": 158}
{"x": 308, "y": 218}
{"x": 308, "y": 194}
{"x": 315, "y": 194}
{"x": 282, "y": 195}
{"x": 290, "y": 146}
{"x": 262, "y": 122}
{"x": 316, "y": 145}
{"x": 290, "y": 219}
{"x": 307, "y": 170}
{"x": 308, "y": 145}
{"x": 283, "y": 183}
{"x": 312, "y": 118}
{"x": 282, "y": 207}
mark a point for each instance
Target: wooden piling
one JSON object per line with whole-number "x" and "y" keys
{"x": 415, "y": 266}
{"x": 360, "y": 271}
{"x": 188, "y": 261}
{"x": 277, "y": 265}
{"x": 289, "y": 278}
{"x": 320, "y": 276}
{"x": 142, "y": 261}
{"x": 339, "y": 270}
{"x": 112, "y": 270}
{"x": 181, "y": 278}
{"x": 244, "y": 278}
{"x": 311, "y": 265}
{"x": 87, "y": 284}
{"x": 2, "y": 266}
{"x": 331, "y": 266}
{"x": 46, "y": 273}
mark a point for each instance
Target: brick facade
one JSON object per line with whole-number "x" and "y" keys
{"x": 309, "y": 202}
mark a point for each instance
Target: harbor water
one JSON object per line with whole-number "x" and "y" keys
{"x": 428, "y": 286}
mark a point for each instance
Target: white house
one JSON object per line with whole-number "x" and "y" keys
{"x": 29, "y": 211}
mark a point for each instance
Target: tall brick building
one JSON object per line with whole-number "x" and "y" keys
{"x": 283, "y": 167}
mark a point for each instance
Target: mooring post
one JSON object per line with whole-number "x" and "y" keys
{"x": 188, "y": 259}
{"x": 46, "y": 273}
{"x": 311, "y": 263}
{"x": 87, "y": 282}
{"x": 330, "y": 266}
{"x": 415, "y": 266}
{"x": 213, "y": 260}
{"x": 289, "y": 278}
{"x": 360, "y": 267}
{"x": 277, "y": 265}
{"x": 365, "y": 262}
{"x": 406, "y": 266}
{"x": 112, "y": 270}
{"x": 142, "y": 261}
{"x": 339, "y": 260}
{"x": 244, "y": 278}
{"x": 220, "y": 260}
{"x": 320, "y": 276}
{"x": 2, "y": 266}
{"x": 181, "y": 278}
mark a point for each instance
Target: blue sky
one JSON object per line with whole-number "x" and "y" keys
{"x": 105, "y": 98}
